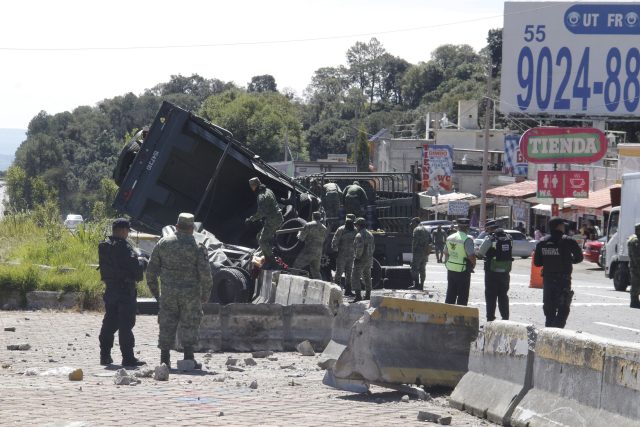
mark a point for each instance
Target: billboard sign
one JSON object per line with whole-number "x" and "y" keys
{"x": 571, "y": 58}
{"x": 561, "y": 184}
{"x": 458, "y": 208}
{"x": 437, "y": 167}
{"x": 563, "y": 145}
{"x": 514, "y": 162}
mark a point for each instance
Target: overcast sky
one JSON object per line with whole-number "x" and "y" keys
{"x": 57, "y": 80}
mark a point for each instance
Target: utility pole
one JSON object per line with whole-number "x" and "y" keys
{"x": 485, "y": 154}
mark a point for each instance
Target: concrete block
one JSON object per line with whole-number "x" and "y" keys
{"x": 10, "y": 300}
{"x": 210, "y": 328}
{"x": 268, "y": 284}
{"x": 38, "y": 300}
{"x": 252, "y": 327}
{"x": 307, "y": 322}
{"x": 567, "y": 381}
{"x": 400, "y": 341}
{"x": 621, "y": 385}
{"x": 347, "y": 316}
{"x": 500, "y": 371}
{"x": 292, "y": 290}
{"x": 283, "y": 288}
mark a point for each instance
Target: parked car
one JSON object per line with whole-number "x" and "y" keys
{"x": 592, "y": 250}
{"x": 72, "y": 221}
{"x": 522, "y": 247}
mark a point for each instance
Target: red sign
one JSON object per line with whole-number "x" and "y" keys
{"x": 561, "y": 184}
{"x": 563, "y": 145}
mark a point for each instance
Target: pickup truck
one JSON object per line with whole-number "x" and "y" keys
{"x": 186, "y": 164}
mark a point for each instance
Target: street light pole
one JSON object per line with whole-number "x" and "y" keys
{"x": 485, "y": 154}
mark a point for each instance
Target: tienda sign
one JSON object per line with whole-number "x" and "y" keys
{"x": 563, "y": 145}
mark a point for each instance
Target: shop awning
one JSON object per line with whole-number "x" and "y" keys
{"x": 518, "y": 190}
{"x": 599, "y": 199}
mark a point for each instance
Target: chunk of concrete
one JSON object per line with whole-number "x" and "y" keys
{"x": 161, "y": 373}
{"x": 305, "y": 348}
{"x": 76, "y": 375}
{"x": 186, "y": 365}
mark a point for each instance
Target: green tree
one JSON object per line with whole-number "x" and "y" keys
{"x": 362, "y": 152}
{"x": 260, "y": 120}
{"x": 420, "y": 80}
{"x": 264, "y": 83}
{"x": 494, "y": 46}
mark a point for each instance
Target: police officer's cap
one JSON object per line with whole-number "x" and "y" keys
{"x": 351, "y": 217}
{"x": 254, "y": 181}
{"x": 463, "y": 221}
{"x": 316, "y": 215}
{"x": 185, "y": 220}
{"x": 415, "y": 220}
{"x": 121, "y": 223}
{"x": 356, "y": 183}
{"x": 491, "y": 224}
{"x": 555, "y": 221}
{"x": 361, "y": 221}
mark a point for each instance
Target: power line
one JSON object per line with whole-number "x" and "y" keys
{"x": 268, "y": 42}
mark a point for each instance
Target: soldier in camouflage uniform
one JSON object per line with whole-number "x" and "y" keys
{"x": 363, "y": 247}
{"x": 421, "y": 244}
{"x": 269, "y": 212}
{"x": 331, "y": 200}
{"x": 354, "y": 199}
{"x": 343, "y": 244}
{"x": 313, "y": 235}
{"x": 185, "y": 279}
{"x": 634, "y": 266}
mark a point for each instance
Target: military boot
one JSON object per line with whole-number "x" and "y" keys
{"x": 635, "y": 301}
{"x": 358, "y": 296}
{"x": 188, "y": 355}
{"x": 129, "y": 360}
{"x": 105, "y": 358}
{"x": 367, "y": 295}
{"x": 165, "y": 357}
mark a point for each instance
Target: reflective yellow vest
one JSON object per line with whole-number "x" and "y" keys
{"x": 457, "y": 254}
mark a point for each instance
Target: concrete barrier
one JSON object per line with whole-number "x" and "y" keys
{"x": 307, "y": 322}
{"x": 400, "y": 341}
{"x": 11, "y": 300}
{"x": 211, "y": 328}
{"x": 500, "y": 371}
{"x": 347, "y": 316}
{"x": 268, "y": 283}
{"x": 301, "y": 290}
{"x": 621, "y": 385}
{"x": 37, "y": 300}
{"x": 252, "y": 327}
{"x": 567, "y": 381}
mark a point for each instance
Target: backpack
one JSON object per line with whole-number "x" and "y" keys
{"x": 503, "y": 248}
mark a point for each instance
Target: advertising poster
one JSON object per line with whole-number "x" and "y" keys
{"x": 437, "y": 167}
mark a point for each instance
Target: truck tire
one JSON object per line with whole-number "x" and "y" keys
{"x": 229, "y": 286}
{"x": 288, "y": 244}
{"x": 621, "y": 277}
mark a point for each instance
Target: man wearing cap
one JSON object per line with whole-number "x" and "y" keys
{"x": 313, "y": 235}
{"x": 439, "y": 238}
{"x": 460, "y": 260}
{"x": 331, "y": 200}
{"x": 120, "y": 269}
{"x": 496, "y": 248}
{"x": 421, "y": 245}
{"x": 354, "y": 199}
{"x": 343, "y": 244}
{"x": 185, "y": 284}
{"x": 363, "y": 247}
{"x": 556, "y": 254}
{"x": 269, "y": 212}
{"x": 634, "y": 266}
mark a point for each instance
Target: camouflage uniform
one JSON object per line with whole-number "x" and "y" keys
{"x": 420, "y": 244}
{"x": 268, "y": 211}
{"x": 343, "y": 243}
{"x": 331, "y": 200}
{"x": 355, "y": 199}
{"x": 363, "y": 247}
{"x": 185, "y": 276}
{"x": 634, "y": 266}
{"x": 313, "y": 236}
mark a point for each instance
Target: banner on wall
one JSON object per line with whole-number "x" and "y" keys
{"x": 437, "y": 168}
{"x": 514, "y": 162}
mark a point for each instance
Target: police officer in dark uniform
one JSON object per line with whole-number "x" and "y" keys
{"x": 556, "y": 254}
{"x": 120, "y": 269}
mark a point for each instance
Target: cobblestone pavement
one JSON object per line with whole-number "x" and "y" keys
{"x": 290, "y": 390}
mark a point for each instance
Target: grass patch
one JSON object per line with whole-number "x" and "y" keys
{"x": 27, "y": 244}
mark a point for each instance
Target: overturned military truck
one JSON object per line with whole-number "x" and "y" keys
{"x": 186, "y": 164}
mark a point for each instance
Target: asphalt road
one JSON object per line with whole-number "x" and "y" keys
{"x": 597, "y": 308}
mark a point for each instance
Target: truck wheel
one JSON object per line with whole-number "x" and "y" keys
{"x": 288, "y": 244}
{"x": 229, "y": 285}
{"x": 376, "y": 275}
{"x": 621, "y": 277}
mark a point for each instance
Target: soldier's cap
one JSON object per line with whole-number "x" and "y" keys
{"x": 185, "y": 220}
{"x": 415, "y": 220}
{"x": 254, "y": 181}
{"x": 350, "y": 217}
{"x": 463, "y": 221}
{"x": 555, "y": 221}
{"x": 356, "y": 183}
{"x": 491, "y": 224}
{"x": 316, "y": 215}
{"x": 121, "y": 223}
{"x": 361, "y": 221}
{"x": 637, "y": 225}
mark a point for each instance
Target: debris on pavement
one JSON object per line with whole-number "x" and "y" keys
{"x": 76, "y": 375}
{"x": 234, "y": 368}
{"x": 254, "y": 384}
{"x": 18, "y": 347}
{"x": 250, "y": 362}
{"x": 405, "y": 398}
{"x": 10, "y": 329}
{"x": 261, "y": 354}
{"x": 186, "y": 365}
{"x": 161, "y": 373}
{"x": 122, "y": 377}
{"x": 144, "y": 373}
{"x": 231, "y": 361}
{"x": 305, "y": 348}
{"x": 432, "y": 417}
